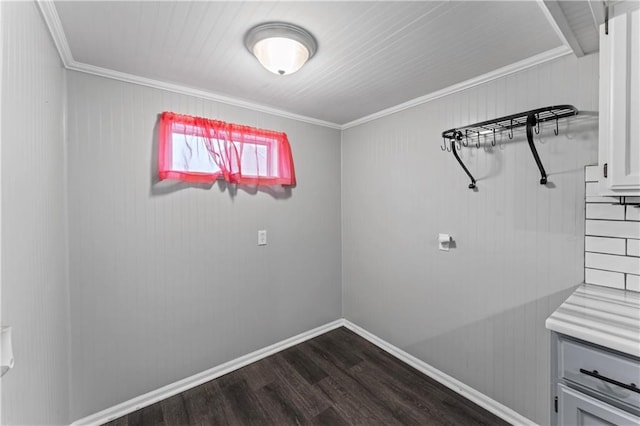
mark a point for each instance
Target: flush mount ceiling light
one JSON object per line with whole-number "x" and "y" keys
{"x": 280, "y": 47}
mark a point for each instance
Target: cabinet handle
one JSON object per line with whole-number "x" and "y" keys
{"x": 632, "y": 387}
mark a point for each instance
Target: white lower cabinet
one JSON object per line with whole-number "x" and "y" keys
{"x": 578, "y": 409}
{"x": 592, "y": 385}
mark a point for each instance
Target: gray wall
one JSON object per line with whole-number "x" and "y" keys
{"x": 168, "y": 281}
{"x": 476, "y": 312}
{"x": 34, "y": 278}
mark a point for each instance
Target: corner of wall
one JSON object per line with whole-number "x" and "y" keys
{"x": 342, "y": 313}
{"x": 34, "y": 272}
{"x": 65, "y": 138}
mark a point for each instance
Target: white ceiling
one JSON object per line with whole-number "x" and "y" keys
{"x": 371, "y": 55}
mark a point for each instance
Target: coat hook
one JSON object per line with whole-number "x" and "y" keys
{"x": 511, "y": 129}
{"x": 494, "y": 138}
{"x": 537, "y": 129}
{"x": 459, "y": 139}
{"x": 444, "y": 144}
{"x": 556, "y": 131}
{"x": 478, "y": 142}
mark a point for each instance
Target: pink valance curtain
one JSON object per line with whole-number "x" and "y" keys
{"x": 200, "y": 150}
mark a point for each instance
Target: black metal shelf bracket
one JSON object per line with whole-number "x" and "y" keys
{"x": 530, "y": 119}
{"x": 458, "y": 137}
{"x": 533, "y": 121}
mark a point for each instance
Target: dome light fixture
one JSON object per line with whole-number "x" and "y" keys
{"x": 280, "y": 47}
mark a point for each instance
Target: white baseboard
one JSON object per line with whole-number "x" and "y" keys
{"x": 175, "y": 388}
{"x": 491, "y": 405}
{"x": 172, "y": 389}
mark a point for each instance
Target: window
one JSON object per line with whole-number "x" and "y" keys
{"x": 195, "y": 149}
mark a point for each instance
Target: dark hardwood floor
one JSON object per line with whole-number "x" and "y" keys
{"x": 337, "y": 378}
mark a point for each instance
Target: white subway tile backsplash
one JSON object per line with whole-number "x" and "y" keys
{"x": 593, "y": 193}
{"x": 609, "y": 262}
{"x": 612, "y": 237}
{"x": 633, "y": 213}
{"x": 604, "y": 278}
{"x": 633, "y": 282}
{"x": 592, "y": 189}
{"x": 605, "y": 245}
{"x": 605, "y": 211}
{"x": 592, "y": 173}
{"x": 608, "y": 228}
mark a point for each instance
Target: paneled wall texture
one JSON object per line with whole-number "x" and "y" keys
{"x": 612, "y": 238}
{"x": 34, "y": 261}
{"x": 476, "y": 312}
{"x": 117, "y": 284}
{"x": 167, "y": 280}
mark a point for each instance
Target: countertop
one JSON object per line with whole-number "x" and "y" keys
{"x": 604, "y": 316}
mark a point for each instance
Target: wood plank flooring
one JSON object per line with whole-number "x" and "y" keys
{"x": 337, "y": 378}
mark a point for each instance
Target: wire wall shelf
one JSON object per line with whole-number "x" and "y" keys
{"x": 454, "y": 139}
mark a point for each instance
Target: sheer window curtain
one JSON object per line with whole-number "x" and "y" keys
{"x": 200, "y": 150}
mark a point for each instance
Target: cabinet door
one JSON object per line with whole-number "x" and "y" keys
{"x": 578, "y": 409}
{"x": 619, "y": 132}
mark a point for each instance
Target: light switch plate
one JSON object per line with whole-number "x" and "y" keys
{"x": 262, "y": 237}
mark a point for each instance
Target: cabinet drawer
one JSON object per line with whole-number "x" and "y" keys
{"x": 611, "y": 374}
{"x": 582, "y": 410}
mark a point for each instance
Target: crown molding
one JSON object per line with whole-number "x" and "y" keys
{"x": 51, "y": 18}
{"x": 549, "y": 55}
{"x": 203, "y": 94}
{"x": 52, "y": 21}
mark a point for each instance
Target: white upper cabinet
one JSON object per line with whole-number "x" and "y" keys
{"x": 619, "y": 132}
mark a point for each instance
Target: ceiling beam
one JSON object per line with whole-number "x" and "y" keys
{"x": 558, "y": 21}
